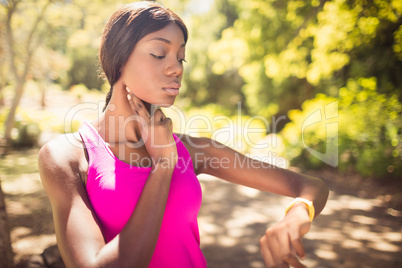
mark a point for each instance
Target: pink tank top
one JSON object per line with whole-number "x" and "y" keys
{"x": 114, "y": 187}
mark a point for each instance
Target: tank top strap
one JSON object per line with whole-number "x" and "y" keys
{"x": 91, "y": 137}
{"x": 183, "y": 153}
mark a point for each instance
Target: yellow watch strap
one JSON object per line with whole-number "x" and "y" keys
{"x": 309, "y": 206}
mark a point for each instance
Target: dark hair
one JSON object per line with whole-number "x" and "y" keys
{"x": 125, "y": 28}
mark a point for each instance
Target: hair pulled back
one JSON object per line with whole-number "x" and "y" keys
{"x": 124, "y": 29}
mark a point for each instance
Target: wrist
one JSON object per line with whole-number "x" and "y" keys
{"x": 165, "y": 161}
{"x": 301, "y": 202}
{"x": 298, "y": 210}
{"x": 163, "y": 167}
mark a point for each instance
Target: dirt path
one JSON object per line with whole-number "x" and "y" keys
{"x": 356, "y": 229}
{"x": 351, "y": 232}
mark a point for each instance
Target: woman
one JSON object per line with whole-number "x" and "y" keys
{"x": 123, "y": 194}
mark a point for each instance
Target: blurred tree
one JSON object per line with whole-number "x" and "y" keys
{"x": 287, "y": 51}
{"x": 83, "y": 41}
{"x": 50, "y": 66}
{"x": 276, "y": 55}
{"x": 59, "y": 38}
{"x": 21, "y": 45}
{"x": 3, "y": 65}
{"x": 369, "y": 139}
{"x": 205, "y": 80}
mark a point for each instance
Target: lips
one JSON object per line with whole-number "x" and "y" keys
{"x": 172, "y": 89}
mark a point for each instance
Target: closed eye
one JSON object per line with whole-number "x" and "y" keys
{"x": 157, "y": 57}
{"x": 162, "y": 57}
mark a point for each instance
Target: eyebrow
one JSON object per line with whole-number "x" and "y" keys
{"x": 164, "y": 40}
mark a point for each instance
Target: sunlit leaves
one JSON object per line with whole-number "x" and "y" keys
{"x": 230, "y": 52}
{"x": 368, "y": 137}
{"x": 398, "y": 42}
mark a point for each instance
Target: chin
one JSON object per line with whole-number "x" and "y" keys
{"x": 164, "y": 105}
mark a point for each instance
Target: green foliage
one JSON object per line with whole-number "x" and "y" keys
{"x": 300, "y": 133}
{"x": 284, "y": 53}
{"x": 369, "y": 137}
{"x": 288, "y": 51}
{"x": 204, "y": 81}
{"x": 372, "y": 137}
{"x": 84, "y": 68}
{"x": 272, "y": 56}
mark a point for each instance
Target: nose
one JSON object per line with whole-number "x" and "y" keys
{"x": 174, "y": 68}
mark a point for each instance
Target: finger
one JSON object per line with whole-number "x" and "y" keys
{"x": 136, "y": 100}
{"x": 131, "y": 99}
{"x": 280, "y": 247}
{"x": 266, "y": 255}
{"x": 159, "y": 115}
{"x": 298, "y": 247}
{"x": 139, "y": 105}
{"x": 286, "y": 253}
{"x": 132, "y": 104}
{"x": 169, "y": 123}
{"x": 293, "y": 261}
{"x": 295, "y": 236}
{"x": 289, "y": 255}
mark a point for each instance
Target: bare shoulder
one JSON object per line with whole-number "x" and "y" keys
{"x": 62, "y": 159}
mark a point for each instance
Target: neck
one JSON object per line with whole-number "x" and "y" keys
{"x": 117, "y": 123}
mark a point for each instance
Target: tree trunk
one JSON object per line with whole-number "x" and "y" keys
{"x": 20, "y": 77}
{"x": 1, "y": 97}
{"x": 43, "y": 86}
{"x": 6, "y": 252}
{"x": 19, "y": 89}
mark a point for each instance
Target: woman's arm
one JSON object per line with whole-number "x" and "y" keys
{"x": 214, "y": 158}
{"x": 78, "y": 234}
{"x": 282, "y": 242}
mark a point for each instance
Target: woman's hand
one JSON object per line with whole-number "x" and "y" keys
{"x": 156, "y": 132}
{"x": 281, "y": 246}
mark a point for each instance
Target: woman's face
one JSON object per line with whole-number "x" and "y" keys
{"x": 154, "y": 70}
